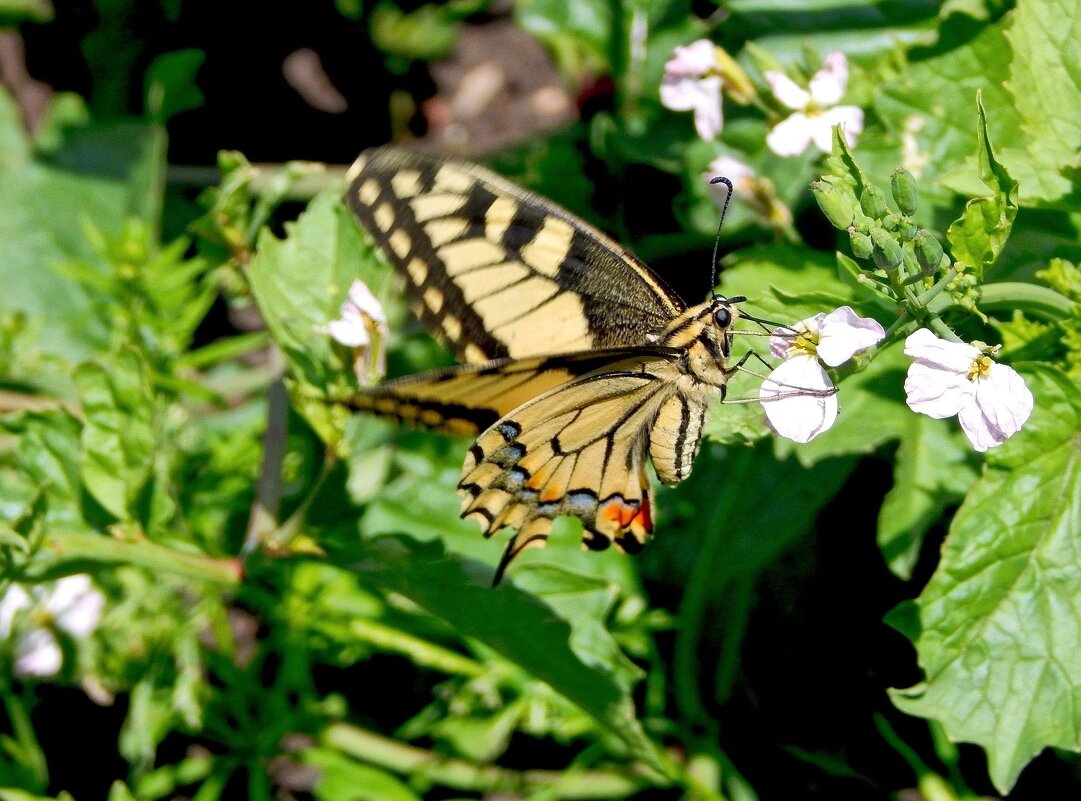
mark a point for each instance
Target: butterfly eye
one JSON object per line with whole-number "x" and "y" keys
{"x": 723, "y": 317}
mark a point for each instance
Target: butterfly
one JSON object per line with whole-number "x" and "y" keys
{"x": 580, "y": 366}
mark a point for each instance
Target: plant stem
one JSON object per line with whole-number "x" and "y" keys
{"x": 459, "y": 774}
{"x": 69, "y": 547}
{"x": 264, "y": 512}
{"x": 1040, "y": 301}
{"x": 421, "y": 652}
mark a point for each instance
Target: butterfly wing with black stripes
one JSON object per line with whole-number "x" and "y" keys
{"x": 498, "y": 271}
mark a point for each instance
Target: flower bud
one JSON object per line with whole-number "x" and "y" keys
{"x": 887, "y": 252}
{"x": 834, "y": 204}
{"x": 861, "y": 244}
{"x": 906, "y": 228}
{"x": 903, "y": 187}
{"x": 873, "y": 202}
{"x": 928, "y": 251}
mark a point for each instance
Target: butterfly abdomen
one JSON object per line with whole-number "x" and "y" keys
{"x": 675, "y": 437}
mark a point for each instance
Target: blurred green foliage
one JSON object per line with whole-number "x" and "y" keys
{"x": 291, "y": 603}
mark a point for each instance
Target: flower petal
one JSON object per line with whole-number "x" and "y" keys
{"x": 76, "y": 604}
{"x": 790, "y": 414}
{"x": 708, "y": 116}
{"x": 691, "y": 61}
{"x": 937, "y": 392}
{"x": 828, "y": 84}
{"x": 781, "y": 340}
{"x": 349, "y": 329}
{"x": 933, "y": 351}
{"x": 365, "y": 302}
{"x": 843, "y": 334}
{"x": 788, "y": 92}
{"x": 982, "y": 433}
{"x": 1004, "y": 399}
{"x": 738, "y": 172}
{"x": 791, "y": 136}
{"x": 38, "y": 654}
{"x": 850, "y": 118}
{"x": 703, "y": 96}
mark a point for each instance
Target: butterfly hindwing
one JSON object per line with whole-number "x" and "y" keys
{"x": 498, "y": 271}
{"x": 579, "y": 449}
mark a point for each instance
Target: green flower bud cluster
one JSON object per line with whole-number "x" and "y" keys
{"x": 891, "y": 239}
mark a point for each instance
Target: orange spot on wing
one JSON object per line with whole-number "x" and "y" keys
{"x": 644, "y": 518}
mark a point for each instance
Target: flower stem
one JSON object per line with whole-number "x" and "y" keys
{"x": 931, "y": 293}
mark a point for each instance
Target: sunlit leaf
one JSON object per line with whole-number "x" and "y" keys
{"x": 997, "y": 629}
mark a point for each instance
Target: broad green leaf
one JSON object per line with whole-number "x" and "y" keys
{"x": 1045, "y": 80}
{"x": 998, "y": 628}
{"x": 977, "y": 238}
{"x": 788, "y": 28}
{"x": 518, "y": 626}
{"x": 928, "y": 105}
{"x": 118, "y": 437}
{"x": 933, "y": 470}
{"x": 99, "y": 176}
{"x": 170, "y": 84}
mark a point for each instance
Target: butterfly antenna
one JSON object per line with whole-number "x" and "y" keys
{"x": 720, "y": 179}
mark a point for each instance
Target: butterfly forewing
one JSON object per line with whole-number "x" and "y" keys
{"x": 498, "y": 271}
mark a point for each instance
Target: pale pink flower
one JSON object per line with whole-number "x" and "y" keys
{"x": 798, "y": 397}
{"x": 815, "y": 110}
{"x": 362, "y": 326}
{"x": 71, "y": 605}
{"x": 991, "y": 400}
{"x": 692, "y": 83}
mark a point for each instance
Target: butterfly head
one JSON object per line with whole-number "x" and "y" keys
{"x": 705, "y": 334}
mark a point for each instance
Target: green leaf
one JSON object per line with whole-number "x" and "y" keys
{"x": 299, "y": 284}
{"x": 977, "y": 238}
{"x": 170, "y": 84}
{"x": 425, "y": 34}
{"x": 925, "y": 105}
{"x": 345, "y": 779}
{"x": 518, "y": 626}
{"x": 118, "y": 438}
{"x": 14, "y": 144}
{"x": 998, "y": 627}
{"x": 580, "y": 34}
{"x": 101, "y": 176}
{"x": 1045, "y": 80}
{"x": 933, "y": 470}
{"x": 20, "y": 10}
{"x": 46, "y": 455}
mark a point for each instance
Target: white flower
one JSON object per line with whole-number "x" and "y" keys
{"x": 990, "y": 399}
{"x": 816, "y": 109}
{"x": 798, "y": 397}
{"x": 692, "y": 82}
{"x": 362, "y": 326}
{"x": 71, "y": 605}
